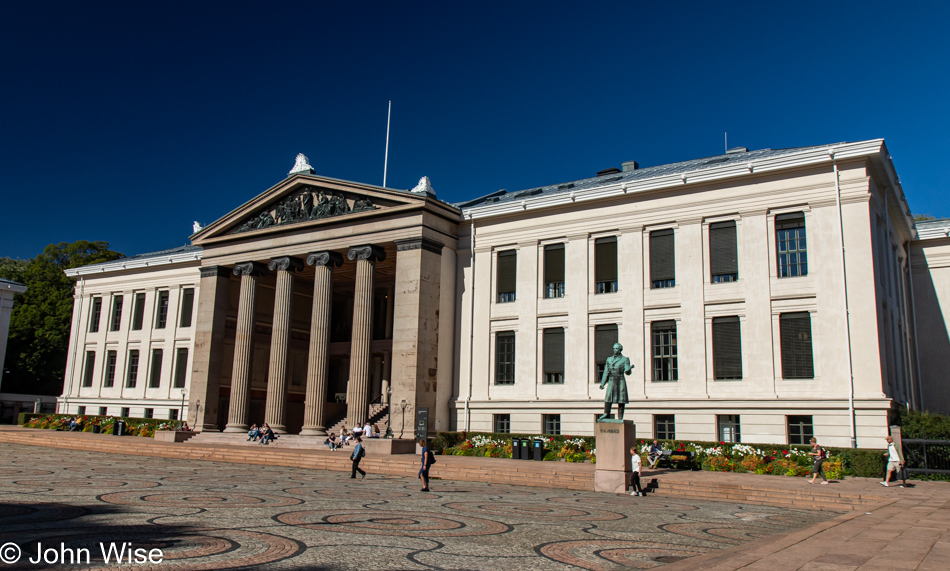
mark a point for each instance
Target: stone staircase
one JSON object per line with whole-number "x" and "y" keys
{"x": 377, "y": 415}
{"x": 240, "y": 439}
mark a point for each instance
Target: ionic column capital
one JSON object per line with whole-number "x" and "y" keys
{"x": 367, "y": 252}
{"x": 286, "y": 264}
{"x": 249, "y": 269}
{"x": 326, "y": 258}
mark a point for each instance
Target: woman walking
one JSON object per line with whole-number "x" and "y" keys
{"x": 428, "y": 458}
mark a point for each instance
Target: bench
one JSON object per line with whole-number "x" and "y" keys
{"x": 677, "y": 460}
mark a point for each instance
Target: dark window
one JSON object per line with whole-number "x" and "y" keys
{"x": 502, "y": 423}
{"x": 505, "y": 358}
{"x": 664, "y": 350}
{"x": 723, "y": 256}
{"x": 662, "y": 259}
{"x": 188, "y": 304}
{"x": 161, "y": 314}
{"x": 94, "y": 314}
{"x": 795, "y": 331}
{"x": 790, "y": 241}
{"x": 88, "y": 369}
{"x": 181, "y": 368}
{"x": 727, "y": 348}
{"x": 133, "y": 375}
{"x": 507, "y": 275}
{"x": 81, "y": 411}
{"x": 110, "y": 369}
{"x": 102, "y": 411}
{"x": 173, "y": 414}
{"x": 800, "y": 429}
{"x": 155, "y": 378}
{"x": 605, "y": 264}
{"x": 149, "y": 413}
{"x": 664, "y": 427}
{"x": 116, "y": 313}
{"x": 554, "y": 270}
{"x": 604, "y": 338}
{"x": 552, "y": 424}
{"x": 554, "y": 355}
{"x": 138, "y": 311}
{"x": 729, "y": 428}
{"x": 125, "y": 412}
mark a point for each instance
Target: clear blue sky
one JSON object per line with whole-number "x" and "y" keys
{"x": 126, "y": 121}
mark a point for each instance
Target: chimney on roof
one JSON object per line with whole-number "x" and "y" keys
{"x": 735, "y": 150}
{"x": 630, "y": 166}
{"x": 611, "y": 170}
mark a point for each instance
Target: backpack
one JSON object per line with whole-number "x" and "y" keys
{"x": 362, "y": 452}
{"x": 431, "y": 458}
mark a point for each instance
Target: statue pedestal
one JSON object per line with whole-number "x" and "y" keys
{"x": 614, "y": 439}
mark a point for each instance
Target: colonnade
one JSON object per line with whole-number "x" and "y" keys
{"x": 358, "y": 389}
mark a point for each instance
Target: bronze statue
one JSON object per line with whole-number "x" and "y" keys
{"x": 614, "y": 370}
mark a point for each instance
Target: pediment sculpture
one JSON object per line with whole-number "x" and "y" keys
{"x": 308, "y": 204}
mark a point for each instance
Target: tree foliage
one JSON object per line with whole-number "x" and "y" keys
{"x": 922, "y": 217}
{"x": 40, "y": 322}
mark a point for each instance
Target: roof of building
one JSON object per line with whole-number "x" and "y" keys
{"x": 185, "y": 253}
{"x": 738, "y": 156}
{"x": 930, "y": 229}
{"x": 11, "y": 285}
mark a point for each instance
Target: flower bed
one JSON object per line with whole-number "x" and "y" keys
{"x": 556, "y": 447}
{"x": 133, "y": 426}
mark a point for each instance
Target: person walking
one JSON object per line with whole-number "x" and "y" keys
{"x": 428, "y": 459}
{"x": 818, "y": 470}
{"x": 358, "y": 453}
{"x": 895, "y": 461}
{"x": 636, "y": 466}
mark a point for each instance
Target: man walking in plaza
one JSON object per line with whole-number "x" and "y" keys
{"x": 358, "y": 453}
{"x": 895, "y": 461}
{"x": 635, "y": 465}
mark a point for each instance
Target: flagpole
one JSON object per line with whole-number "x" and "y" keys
{"x": 386, "y": 160}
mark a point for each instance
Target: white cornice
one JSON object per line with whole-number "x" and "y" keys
{"x": 132, "y": 263}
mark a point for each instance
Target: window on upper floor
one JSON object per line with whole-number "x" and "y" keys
{"x": 133, "y": 374}
{"x": 181, "y": 368}
{"x": 505, "y": 358}
{"x": 507, "y": 275}
{"x": 116, "y": 322}
{"x": 662, "y": 259}
{"x": 790, "y": 242}
{"x": 94, "y": 314}
{"x": 605, "y": 264}
{"x": 138, "y": 311}
{"x": 795, "y": 333}
{"x": 727, "y": 348}
{"x": 155, "y": 376}
{"x": 161, "y": 312}
{"x": 553, "y": 340}
{"x": 554, "y": 270}
{"x": 88, "y": 368}
{"x": 723, "y": 254}
{"x": 188, "y": 305}
{"x": 604, "y": 338}
{"x": 664, "y": 350}
{"x": 109, "y": 380}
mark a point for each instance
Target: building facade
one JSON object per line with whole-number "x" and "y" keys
{"x": 761, "y": 296}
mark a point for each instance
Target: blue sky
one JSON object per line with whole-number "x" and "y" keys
{"x": 126, "y": 121}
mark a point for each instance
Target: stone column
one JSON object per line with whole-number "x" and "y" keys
{"x": 280, "y": 341}
{"x": 205, "y": 384}
{"x": 357, "y": 397}
{"x": 243, "y": 346}
{"x": 313, "y": 419}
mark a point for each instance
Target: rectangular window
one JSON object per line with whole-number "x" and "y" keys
{"x": 800, "y": 429}
{"x": 133, "y": 375}
{"x": 664, "y": 350}
{"x": 81, "y": 411}
{"x": 604, "y": 338}
{"x": 727, "y": 348}
{"x": 502, "y": 423}
{"x": 181, "y": 368}
{"x": 173, "y": 414}
{"x": 664, "y": 426}
{"x": 723, "y": 254}
{"x": 109, "y": 381}
{"x": 149, "y": 413}
{"x": 125, "y": 412}
{"x": 554, "y": 270}
{"x": 662, "y": 259}
{"x": 88, "y": 368}
{"x": 505, "y": 358}
{"x": 507, "y": 275}
{"x": 553, "y": 348}
{"x": 116, "y": 313}
{"x": 605, "y": 264}
{"x": 795, "y": 333}
{"x": 729, "y": 428}
{"x": 790, "y": 241}
{"x": 94, "y": 314}
{"x": 155, "y": 377}
{"x": 103, "y": 410}
{"x": 138, "y": 311}
{"x": 161, "y": 314}
{"x": 552, "y": 424}
{"x": 187, "y": 306}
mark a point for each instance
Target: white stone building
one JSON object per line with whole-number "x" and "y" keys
{"x": 8, "y": 289}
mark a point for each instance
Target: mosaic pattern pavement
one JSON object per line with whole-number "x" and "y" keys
{"x": 208, "y": 515}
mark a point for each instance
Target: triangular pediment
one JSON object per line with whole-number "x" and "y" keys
{"x": 303, "y": 200}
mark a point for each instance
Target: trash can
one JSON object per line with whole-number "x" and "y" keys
{"x": 119, "y": 429}
{"x": 516, "y": 448}
{"x": 538, "y": 450}
{"x": 525, "y": 449}
{"x": 95, "y": 429}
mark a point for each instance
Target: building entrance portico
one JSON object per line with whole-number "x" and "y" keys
{"x": 304, "y": 316}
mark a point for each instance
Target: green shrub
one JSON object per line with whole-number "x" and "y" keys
{"x": 916, "y": 424}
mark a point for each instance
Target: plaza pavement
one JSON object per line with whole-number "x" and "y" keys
{"x": 247, "y": 507}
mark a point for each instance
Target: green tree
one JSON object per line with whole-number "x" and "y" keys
{"x": 41, "y": 318}
{"x": 922, "y": 217}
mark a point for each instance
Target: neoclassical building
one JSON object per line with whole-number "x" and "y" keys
{"x": 762, "y": 296}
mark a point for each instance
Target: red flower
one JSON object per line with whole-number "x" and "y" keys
{"x": 784, "y": 451}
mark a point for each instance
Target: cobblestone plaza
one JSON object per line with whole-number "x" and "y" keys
{"x": 209, "y": 515}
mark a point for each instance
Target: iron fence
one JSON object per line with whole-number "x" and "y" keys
{"x": 923, "y": 456}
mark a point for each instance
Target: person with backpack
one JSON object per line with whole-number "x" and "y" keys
{"x": 358, "y": 453}
{"x": 819, "y": 453}
{"x": 428, "y": 459}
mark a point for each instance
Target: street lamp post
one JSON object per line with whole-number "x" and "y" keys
{"x": 181, "y": 414}
{"x": 403, "y": 404}
{"x": 389, "y": 416}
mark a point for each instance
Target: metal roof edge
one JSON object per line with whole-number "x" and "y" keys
{"x": 132, "y": 263}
